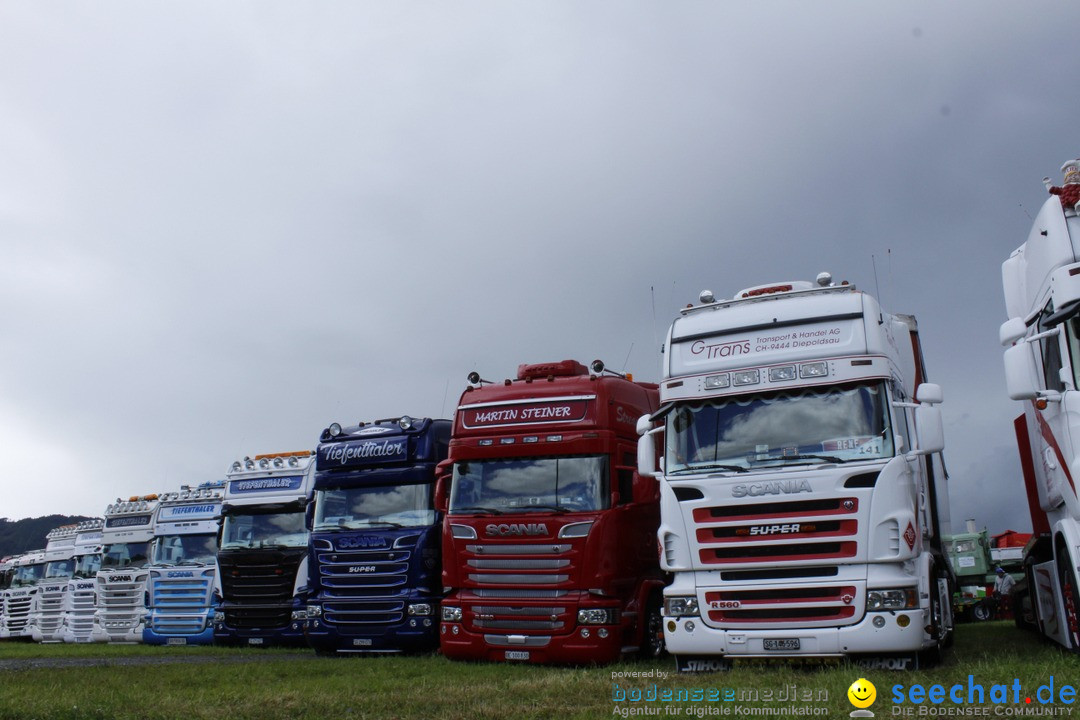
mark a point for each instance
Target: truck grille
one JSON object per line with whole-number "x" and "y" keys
{"x": 180, "y": 605}
{"x": 121, "y": 604}
{"x": 537, "y": 566}
{"x": 17, "y": 612}
{"x": 80, "y": 618}
{"x": 364, "y": 587}
{"x": 805, "y": 606}
{"x": 51, "y": 606}
{"x": 797, "y": 531}
{"x": 258, "y": 588}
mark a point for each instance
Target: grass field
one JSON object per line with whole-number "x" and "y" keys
{"x": 129, "y": 682}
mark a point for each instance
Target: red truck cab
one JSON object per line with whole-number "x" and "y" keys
{"x": 549, "y": 537}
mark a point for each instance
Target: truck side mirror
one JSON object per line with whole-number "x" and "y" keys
{"x": 646, "y": 447}
{"x": 929, "y": 434}
{"x": 443, "y": 473}
{"x": 1011, "y": 331}
{"x": 309, "y": 515}
{"x": 929, "y": 393}
{"x": 1021, "y": 375}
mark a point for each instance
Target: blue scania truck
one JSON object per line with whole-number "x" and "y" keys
{"x": 374, "y": 575}
{"x": 183, "y": 566}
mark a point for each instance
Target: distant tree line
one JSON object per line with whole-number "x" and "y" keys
{"x": 18, "y": 536}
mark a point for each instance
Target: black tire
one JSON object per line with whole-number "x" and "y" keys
{"x": 982, "y": 611}
{"x": 652, "y": 638}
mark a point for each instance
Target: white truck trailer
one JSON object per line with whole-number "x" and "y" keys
{"x": 1042, "y": 367}
{"x": 803, "y": 490}
{"x": 121, "y": 582}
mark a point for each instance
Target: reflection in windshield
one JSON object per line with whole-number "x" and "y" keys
{"x": 197, "y": 549}
{"x": 122, "y": 555}
{"x": 397, "y": 506}
{"x": 86, "y": 566}
{"x": 562, "y": 483}
{"x": 60, "y": 569}
{"x": 833, "y": 424}
{"x": 265, "y": 530}
{"x": 28, "y": 575}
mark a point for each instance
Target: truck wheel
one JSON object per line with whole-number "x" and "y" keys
{"x": 652, "y": 640}
{"x": 982, "y": 612}
{"x": 1070, "y": 600}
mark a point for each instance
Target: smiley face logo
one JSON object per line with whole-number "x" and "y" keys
{"x": 862, "y": 693}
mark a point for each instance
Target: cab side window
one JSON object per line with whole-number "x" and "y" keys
{"x": 1051, "y": 354}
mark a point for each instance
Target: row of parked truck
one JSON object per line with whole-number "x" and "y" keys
{"x": 780, "y": 493}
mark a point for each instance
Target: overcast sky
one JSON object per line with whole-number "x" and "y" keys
{"x": 226, "y": 225}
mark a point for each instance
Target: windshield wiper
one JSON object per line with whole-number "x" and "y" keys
{"x": 552, "y": 508}
{"x": 475, "y": 510}
{"x": 711, "y": 466}
{"x": 384, "y": 522}
{"x": 785, "y": 458}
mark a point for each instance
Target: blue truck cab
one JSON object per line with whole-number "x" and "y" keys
{"x": 262, "y": 554}
{"x": 183, "y": 566}
{"x": 374, "y": 571}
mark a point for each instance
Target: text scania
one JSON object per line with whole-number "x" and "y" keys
{"x": 517, "y": 529}
{"x": 781, "y": 487}
{"x": 721, "y": 350}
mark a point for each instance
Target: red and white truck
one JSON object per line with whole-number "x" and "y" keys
{"x": 802, "y": 486}
{"x": 549, "y": 538}
{"x": 1041, "y": 281}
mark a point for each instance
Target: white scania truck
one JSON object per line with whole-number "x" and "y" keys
{"x": 1042, "y": 367}
{"x": 80, "y": 596}
{"x": 18, "y": 599}
{"x": 803, "y": 490}
{"x": 47, "y": 612}
{"x": 122, "y": 579}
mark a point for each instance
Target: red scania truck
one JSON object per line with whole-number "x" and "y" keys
{"x": 549, "y": 537}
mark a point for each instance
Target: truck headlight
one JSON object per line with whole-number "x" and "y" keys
{"x": 451, "y": 613}
{"x": 597, "y": 616}
{"x": 892, "y": 599}
{"x": 314, "y": 611}
{"x": 420, "y": 609}
{"x": 680, "y": 606}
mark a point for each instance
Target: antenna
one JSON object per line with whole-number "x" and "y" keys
{"x": 627, "y": 360}
{"x": 877, "y": 288}
{"x": 652, "y": 296}
{"x": 445, "y": 391}
{"x": 1026, "y": 212}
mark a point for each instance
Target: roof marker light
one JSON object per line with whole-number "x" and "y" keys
{"x": 714, "y": 382}
{"x": 746, "y": 377}
{"x": 779, "y": 374}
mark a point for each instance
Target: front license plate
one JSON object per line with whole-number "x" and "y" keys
{"x": 781, "y": 644}
{"x": 361, "y": 642}
{"x": 517, "y": 654}
{"x": 255, "y": 641}
{"x": 176, "y": 641}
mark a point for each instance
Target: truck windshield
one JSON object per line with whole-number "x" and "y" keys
{"x": 264, "y": 530}
{"x": 122, "y": 555}
{"x": 60, "y": 569}
{"x": 86, "y": 566}
{"x": 829, "y": 424}
{"x": 364, "y": 507}
{"x": 28, "y": 575}
{"x": 196, "y": 549}
{"x": 572, "y": 484}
